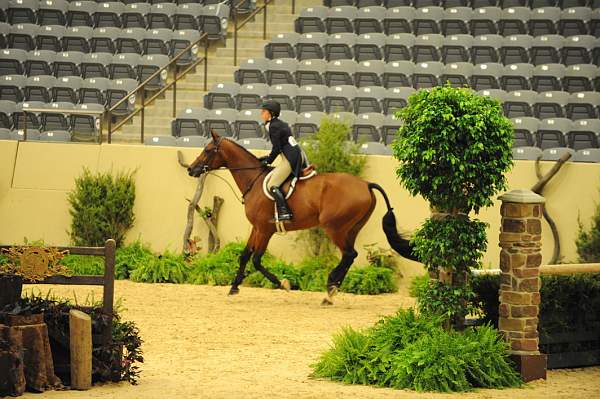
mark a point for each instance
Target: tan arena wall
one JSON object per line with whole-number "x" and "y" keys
{"x": 35, "y": 179}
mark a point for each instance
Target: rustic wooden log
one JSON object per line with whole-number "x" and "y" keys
{"x": 538, "y": 188}
{"x": 193, "y": 204}
{"x": 37, "y": 360}
{"x": 214, "y": 243}
{"x": 12, "y": 375}
{"x": 563, "y": 269}
{"x": 80, "y": 344}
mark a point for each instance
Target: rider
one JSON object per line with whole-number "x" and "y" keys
{"x": 289, "y": 153}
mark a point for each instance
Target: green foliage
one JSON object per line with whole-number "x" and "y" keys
{"x": 451, "y": 243}
{"x": 418, "y": 285}
{"x": 217, "y": 268}
{"x": 407, "y": 351}
{"x": 83, "y": 265}
{"x": 568, "y": 303}
{"x": 129, "y": 257}
{"x": 369, "y": 280}
{"x": 330, "y": 151}
{"x": 381, "y": 257}
{"x": 101, "y": 207}
{"x": 314, "y": 272}
{"x": 454, "y": 148}
{"x": 444, "y": 300}
{"x": 588, "y": 241}
{"x": 166, "y": 268}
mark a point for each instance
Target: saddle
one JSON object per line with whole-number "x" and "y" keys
{"x": 290, "y": 183}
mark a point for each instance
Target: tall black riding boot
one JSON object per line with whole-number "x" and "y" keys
{"x": 283, "y": 211}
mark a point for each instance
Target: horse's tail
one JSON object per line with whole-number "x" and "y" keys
{"x": 399, "y": 244}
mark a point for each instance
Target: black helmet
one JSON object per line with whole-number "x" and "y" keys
{"x": 272, "y": 106}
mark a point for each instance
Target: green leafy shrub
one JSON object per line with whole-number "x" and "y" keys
{"x": 314, "y": 272}
{"x": 454, "y": 244}
{"x": 129, "y": 257}
{"x": 417, "y": 285}
{"x": 567, "y": 304}
{"x": 407, "y": 351}
{"x": 369, "y": 280}
{"x": 80, "y": 265}
{"x": 440, "y": 299}
{"x": 588, "y": 241}
{"x": 101, "y": 207}
{"x": 166, "y": 268}
{"x": 454, "y": 148}
{"x": 218, "y": 268}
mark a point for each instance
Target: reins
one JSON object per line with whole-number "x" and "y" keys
{"x": 248, "y": 189}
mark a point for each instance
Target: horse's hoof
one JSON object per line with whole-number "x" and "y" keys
{"x": 326, "y": 302}
{"x": 285, "y": 284}
{"x": 234, "y": 291}
{"x": 332, "y": 291}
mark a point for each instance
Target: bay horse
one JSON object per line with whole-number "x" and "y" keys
{"x": 338, "y": 202}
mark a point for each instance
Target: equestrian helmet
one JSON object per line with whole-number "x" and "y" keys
{"x": 272, "y": 106}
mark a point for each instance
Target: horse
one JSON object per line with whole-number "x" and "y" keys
{"x": 340, "y": 203}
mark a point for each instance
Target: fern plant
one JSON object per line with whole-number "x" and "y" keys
{"x": 166, "y": 268}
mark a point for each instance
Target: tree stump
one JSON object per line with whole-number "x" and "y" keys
{"x": 34, "y": 343}
{"x": 12, "y": 376}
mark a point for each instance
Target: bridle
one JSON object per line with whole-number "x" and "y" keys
{"x": 212, "y": 153}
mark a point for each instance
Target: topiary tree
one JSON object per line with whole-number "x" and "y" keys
{"x": 454, "y": 148}
{"x": 330, "y": 151}
{"x": 588, "y": 240}
{"x": 101, "y": 207}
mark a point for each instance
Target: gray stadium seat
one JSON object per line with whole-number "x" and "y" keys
{"x": 584, "y": 134}
{"x": 547, "y": 77}
{"x": 189, "y": 122}
{"x": 389, "y": 129}
{"x": 251, "y": 95}
{"x": 526, "y": 153}
{"x": 525, "y": 129}
{"x": 6, "y": 110}
{"x": 108, "y": 14}
{"x": 365, "y": 128}
{"x": 93, "y": 90}
{"x": 426, "y": 20}
{"x": 22, "y": 11}
{"x": 86, "y": 128}
{"x": 37, "y": 88}
{"x": 124, "y": 66}
{"x": 280, "y": 71}
{"x": 513, "y": 21}
{"x": 103, "y": 40}
{"x": 65, "y": 89}
{"x": 369, "y": 73}
{"x": 310, "y": 72}
{"x": 251, "y": 71}
{"x": 340, "y": 46}
{"x": 579, "y": 77}
{"x": 130, "y": 40}
{"x": 583, "y": 105}
{"x": 516, "y": 77}
{"x": 311, "y": 46}
{"x": 39, "y": 62}
{"x": 546, "y": 49}
{"x": 458, "y": 74}
{"x": 95, "y": 65}
{"x": 587, "y": 155}
{"x": 179, "y": 41}
{"x": 455, "y": 48}
{"x": 187, "y": 16}
{"x": 484, "y": 21}
{"x": 577, "y": 49}
{"x": 369, "y": 20}
{"x": 550, "y": 104}
{"x": 309, "y": 98}
{"x": 456, "y": 20}
{"x": 21, "y": 36}
{"x": 369, "y": 46}
{"x": 160, "y": 16}
{"x": 398, "y": 20}
{"x": 49, "y": 37}
{"x": 307, "y": 124}
{"x": 221, "y": 120}
{"x": 311, "y": 19}
{"x": 554, "y": 154}
{"x": 369, "y": 99}
{"x": 156, "y": 41}
{"x": 551, "y": 132}
{"x": 427, "y": 48}
{"x": 396, "y": 98}
{"x": 282, "y": 45}
{"x": 427, "y": 74}
{"x": 486, "y": 48}
{"x": 519, "y": 103}
{"x": 191, "y": 141}
{"x": 165, "y": 141}
{"x": 339, "y": 98}
{"x": 67, "y": 63}
{"x": 340, "y": 72}
{"x": 398, "y": 74}
{"x": 288, "y": 117}
{"x": 213, "y": 21}
{"x": 134, "y": 15}
{"x": 486, "y": 76}
{"x": 11, "y": 87}
{"x": 574, "y": 21}
{"x": 118, "y": 89}
{"x": 398, "y": 47}
{"x": 80, "y": 13}
{"x": 543, "y": 20}
{"x": 222, "y": 95}
{"x": 339, "y": 19}
{"x": 284, "y": 94}
{"x": 248, "y": 124}
{"x": 148, "y": 65}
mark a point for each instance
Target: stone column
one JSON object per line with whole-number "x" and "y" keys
{"x": 520, "y": 261}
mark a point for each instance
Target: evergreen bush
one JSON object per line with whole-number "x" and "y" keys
{"x": 101, "y": 207}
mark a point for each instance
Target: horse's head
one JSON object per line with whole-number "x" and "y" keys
{"x": 211, "y": 157}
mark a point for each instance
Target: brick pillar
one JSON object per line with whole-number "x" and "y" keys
{"x": 520, "y": 261}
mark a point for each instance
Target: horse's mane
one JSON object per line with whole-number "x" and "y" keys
{"x": 240, "y": 146}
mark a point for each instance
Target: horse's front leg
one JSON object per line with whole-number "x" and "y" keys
{"x": 262, "y": 241}
{"x": 244, "y": 258}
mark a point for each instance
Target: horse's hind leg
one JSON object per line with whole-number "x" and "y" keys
{"x": 344, "y": 240}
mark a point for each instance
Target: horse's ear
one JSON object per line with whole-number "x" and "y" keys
{"x": 214, "y": 134}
